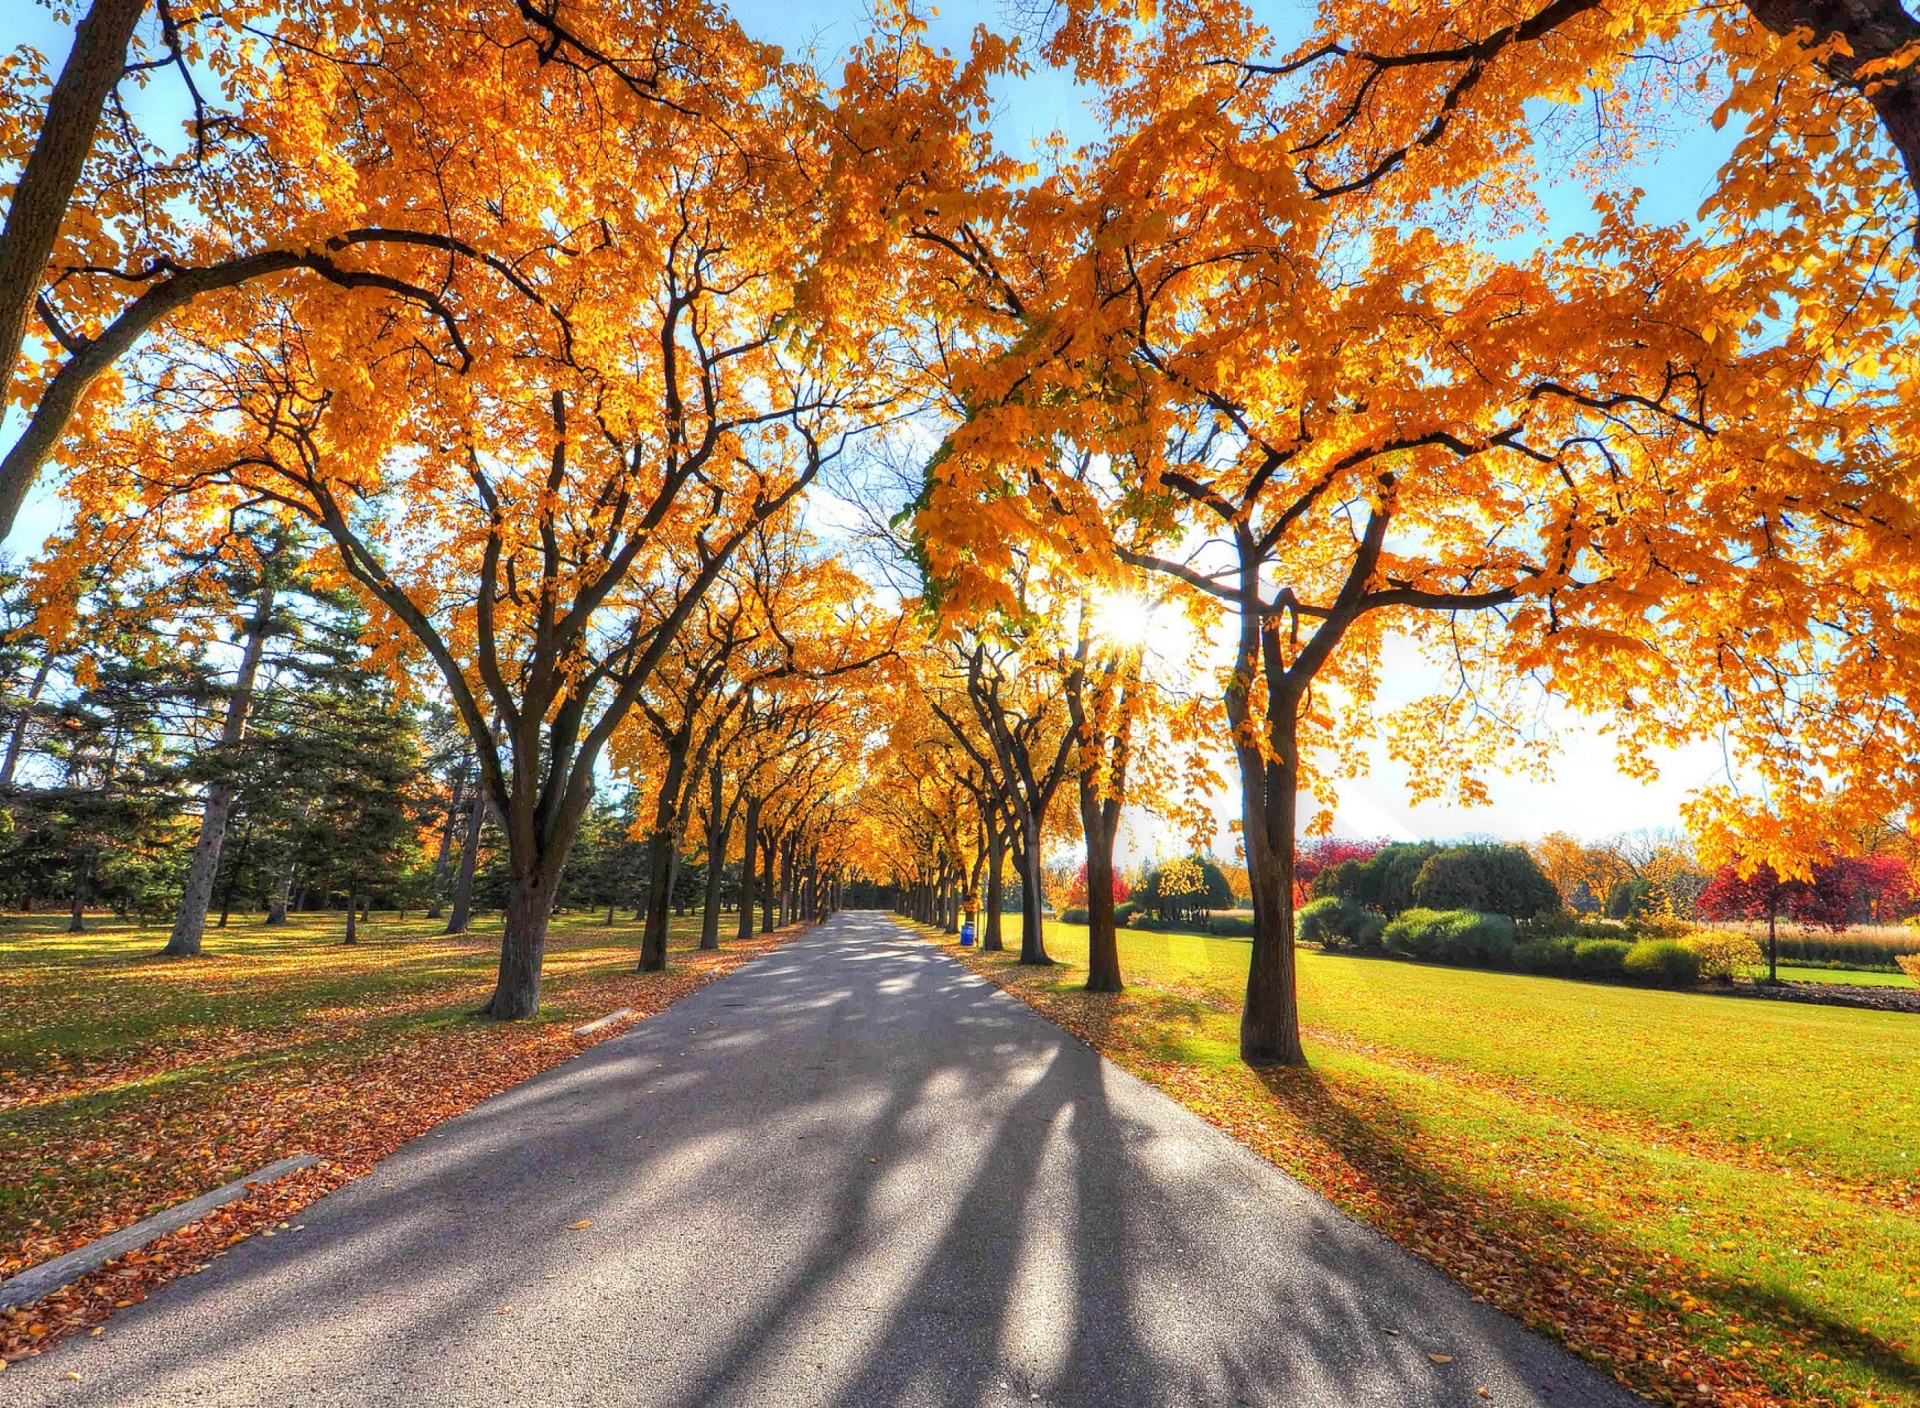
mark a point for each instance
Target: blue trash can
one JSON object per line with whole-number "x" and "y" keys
{"x": 966, "y": 934}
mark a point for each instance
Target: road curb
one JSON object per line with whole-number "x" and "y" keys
{"x": 601, "y": 1023}
{"x": 49, "y": 1276}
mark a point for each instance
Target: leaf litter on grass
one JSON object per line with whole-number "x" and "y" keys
{"x": 119, "y": 1138}
{"x": 1533, "y": 1230}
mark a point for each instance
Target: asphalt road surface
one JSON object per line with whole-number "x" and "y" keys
{"x": 850, "y": 1173}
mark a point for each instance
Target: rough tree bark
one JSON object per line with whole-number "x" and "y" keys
{"x": 769, "y": 853}
{"x": 992, "y": 935}
{"x": 191, "y": 923}
{"x": 82, "y": 870}
{"x": 277, "y": 906}
{"x": 462, "y": 910}
{"x": 1100, "y": 703}
{"x": 719, "y": 827}
{"x": 94, "y": 66}
{"x": 661, "y": 855}
{"x": 750, "y": 845}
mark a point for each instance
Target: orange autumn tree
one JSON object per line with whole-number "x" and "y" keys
{"x": 1334, "y": 428}
{"x": 328, "y": 143}
{"x": 540, "y": 518}
{"x": 1803, "y": 261}
{"x": 780, "y": 617}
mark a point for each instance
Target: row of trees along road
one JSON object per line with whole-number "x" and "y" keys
{"x": 541, "y": 316}
{"x": 1186, "y": 349}
{"x": 126, "y": 772}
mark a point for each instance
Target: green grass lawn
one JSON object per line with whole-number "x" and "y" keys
{"x": 1858, "y": 977}
{"x": 78, "y": 998}
{"x": 1740, "y": 1172}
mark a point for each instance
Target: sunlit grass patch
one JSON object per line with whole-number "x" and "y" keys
{"x": 1692, "y": 1190}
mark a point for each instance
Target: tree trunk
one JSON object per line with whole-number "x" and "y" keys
{"x": 992, "y": 938}
{"x": 523, "y": 948}
{"x": 39, "y": 205}
{"x": 786, "y": 879}
{"x": 17, "y": 735}
{"x": 1270, "y": 1023}
{"x": 653, "y": 940}
{"x": 469, "y": 859}
{"x": 1100, "y": 820}
{"x": 718, "y": 825}
{"x": 277, "y": 906}
{"x": 77, "y": 920}
{"x": 750, "y": 845}
{"x": 768, "y": 852}
{"x": 1773, "y": 948}
{"x": 353, "y": 917}
{"x": 663, "y": 859}
{"x": 1033, "y": 946}
{"x": 191, "y": 922}
{"x": 437, "y": 887}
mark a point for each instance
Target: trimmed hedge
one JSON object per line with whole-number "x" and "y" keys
{"x": 1337, "y": 923}
{"x": 1468, "y": 938}
{"x": 1075, "y": 915}
{"x": 1231, "y": 926}
{"x": 1461, "y": 936}
{"x": 1601, "y": 958}
{"x": 1123, "y": 913}
{"x": 1665, "y": 961}
{"x": 1552, "y": 955}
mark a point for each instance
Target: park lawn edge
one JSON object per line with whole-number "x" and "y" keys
{"x": 88, "y": 1301}
{"x": 1542, "y": 1282}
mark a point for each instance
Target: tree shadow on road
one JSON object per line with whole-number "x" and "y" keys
{"x": 849, "y": 1174}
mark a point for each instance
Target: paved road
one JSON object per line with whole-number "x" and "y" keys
{"x": 851, "y": 1173}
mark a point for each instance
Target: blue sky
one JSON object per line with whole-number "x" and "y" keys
{"x": 1588, "y": 795}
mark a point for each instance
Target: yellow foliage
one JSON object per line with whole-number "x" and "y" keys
{"x": 1723, "y": 954}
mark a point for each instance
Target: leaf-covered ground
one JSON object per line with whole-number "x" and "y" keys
{"x": 1714, "y": 1200}
{"x": 130, "y": 1082}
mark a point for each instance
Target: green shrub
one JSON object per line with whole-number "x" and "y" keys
{"x": 1124, "y": 911}
{"x": 1665, "y": 961}
{"x": 1335, "y": 923}
{"x": 1451, "y": 936}
{"x": 1232, "y": 926}
{"x": 1487, "y": 879}
{"x": 1551, "y": 954}
{"x": 1601, "y": 958}
{"x": 1145, "y": 920}
{"x": 1383, "y": 882}
{"x": 1075, "y": 915}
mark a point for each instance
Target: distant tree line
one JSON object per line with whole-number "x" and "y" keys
{"x": 237, "y": 694}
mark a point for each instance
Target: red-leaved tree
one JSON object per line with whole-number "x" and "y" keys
{"x": 1826, "y": 901}
{"x": 1077, "y": 892}
{"x": 1883, "y": 888}
{"x": 1323, "y": 853}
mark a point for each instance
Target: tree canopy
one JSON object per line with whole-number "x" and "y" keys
{"x": 560, "y": 345}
